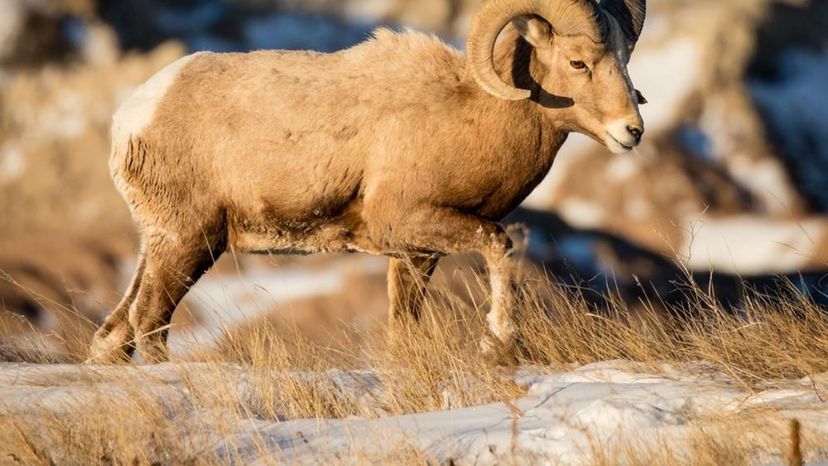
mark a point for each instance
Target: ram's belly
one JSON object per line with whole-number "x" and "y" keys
{"x": 342, "y": 234}
{"x": 326, "y": 237}
{"x": 298, "y": 215}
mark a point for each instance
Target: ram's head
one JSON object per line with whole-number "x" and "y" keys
{"x": 578, "y": 70}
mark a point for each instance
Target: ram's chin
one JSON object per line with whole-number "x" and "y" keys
{"x": 616, "y": 147}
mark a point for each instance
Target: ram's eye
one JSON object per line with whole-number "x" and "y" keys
{"x": 577, "y": 64}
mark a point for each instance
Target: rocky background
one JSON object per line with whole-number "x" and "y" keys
{"x": 728, "y": 190}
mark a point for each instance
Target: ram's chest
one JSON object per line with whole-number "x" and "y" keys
{"x": 507, "y": 192}
{"x": 503, "y": 172}
{"x": 494, "y": 188}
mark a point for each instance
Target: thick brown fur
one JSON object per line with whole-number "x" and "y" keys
{"x": 388, "y": 148}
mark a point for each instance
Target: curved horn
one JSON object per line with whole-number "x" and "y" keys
{"x": 630, "y": 15}
{"x": 567, "y": 17}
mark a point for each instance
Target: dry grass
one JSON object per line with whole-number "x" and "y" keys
{"x": 274, "y": 372}
{"x": 732, "y": 443}
{"x": 749, "y": 438}
{"x": 783, "y": 336}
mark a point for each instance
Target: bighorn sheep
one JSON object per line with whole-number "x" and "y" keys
{"x": 399, "y": 146}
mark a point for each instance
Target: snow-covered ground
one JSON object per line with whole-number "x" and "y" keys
{"x": 564, "y": 418}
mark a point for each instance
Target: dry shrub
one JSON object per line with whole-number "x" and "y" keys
{"x": 425, "y": 367}
{"x": 405, "y": 454}
{"x": 135, "y": 427}
{"x": 747, "y": 438}
{"x": 781, "y": 336}
{"x": 290, "y": 377}
{"x": 437, "y": 364}
{"x": 21, "y": 342}
{"x": 272, "y": 371}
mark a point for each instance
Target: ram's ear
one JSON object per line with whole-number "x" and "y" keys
{"x": 535, "y": 30}
{"x": 641, "y": 99}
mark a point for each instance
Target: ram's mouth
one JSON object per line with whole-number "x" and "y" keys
{"x": 615, "y": 142}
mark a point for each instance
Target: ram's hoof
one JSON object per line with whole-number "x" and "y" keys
{"x": 498, "y": 352}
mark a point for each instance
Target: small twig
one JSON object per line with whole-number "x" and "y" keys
{"x": 795, "y": 455}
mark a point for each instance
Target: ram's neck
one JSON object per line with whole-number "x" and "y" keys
{"x": 515, "y": 62}
{"x": 517, "y": 139}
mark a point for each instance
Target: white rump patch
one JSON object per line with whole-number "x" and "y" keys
{"x": 137, "y": 112}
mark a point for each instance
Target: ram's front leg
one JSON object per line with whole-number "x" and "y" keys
{"x": 447, "y": 231}
{"x": 500, "y": 319}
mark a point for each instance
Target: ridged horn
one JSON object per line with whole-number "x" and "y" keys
{"x": 630, "y": 15}
{"x": 567, "y": 17}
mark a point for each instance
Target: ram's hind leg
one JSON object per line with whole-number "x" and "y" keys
{"x": 112, "y": 342}
{"x": 407, "y": 280}
{"x": 173, "y": 265}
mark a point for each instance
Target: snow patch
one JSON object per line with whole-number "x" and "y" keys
{"x": 581, "y": 213}
{"x": 11, "y": 162}
{"x": 753, "y": 245}
{"x": 558, "y": 421}
{"x": 676, "y": 61}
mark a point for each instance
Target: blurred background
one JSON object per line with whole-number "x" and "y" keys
{"x": 729, "y": 189}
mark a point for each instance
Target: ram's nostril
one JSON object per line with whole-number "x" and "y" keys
{"x": 636, "y": 132}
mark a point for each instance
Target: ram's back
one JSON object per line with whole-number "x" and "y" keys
{"x": 284, "y": 134}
